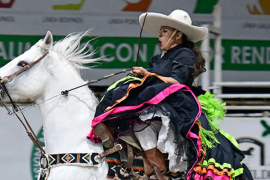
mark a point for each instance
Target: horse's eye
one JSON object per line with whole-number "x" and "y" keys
{"x": 22, "y": 63}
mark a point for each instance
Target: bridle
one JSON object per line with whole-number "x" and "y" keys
{"x": 15, "y": 108}
{"x": 26, "y": 67}
{"x": 7, "y": 79}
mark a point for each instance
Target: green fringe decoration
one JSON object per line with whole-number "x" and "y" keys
{"x": 208, "y": 138}
{"x": 215, "y": 111}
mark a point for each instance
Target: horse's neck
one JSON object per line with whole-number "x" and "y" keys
{"x": 67, "y": 119}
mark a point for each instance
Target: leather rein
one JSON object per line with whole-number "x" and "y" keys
{"x": 15, "y": 108}
{"x": 26, "y": 67}
{"x": 6, "y": 79}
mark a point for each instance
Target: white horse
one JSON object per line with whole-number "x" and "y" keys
{"x": 66, "y": 119}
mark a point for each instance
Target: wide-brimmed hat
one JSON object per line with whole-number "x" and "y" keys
{"x": 178, "y": 19}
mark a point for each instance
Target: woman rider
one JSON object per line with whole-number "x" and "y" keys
{"x": 179, "y": 63}
{"x": 168, "y": 113}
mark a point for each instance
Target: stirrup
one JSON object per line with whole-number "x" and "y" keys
{"x": 108, "y": 143}
{"x": 159, "y": 175}
{"x": 137, "y": 176}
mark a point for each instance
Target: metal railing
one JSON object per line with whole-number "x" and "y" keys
{"x": 248, "y": 102}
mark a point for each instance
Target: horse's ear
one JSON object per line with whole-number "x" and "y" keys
{"x": 48, "y": 40}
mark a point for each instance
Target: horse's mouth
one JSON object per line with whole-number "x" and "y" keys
{"x": 2, "y": 101}
{"x": 2, "y": 93}
{"x": 3, "y": 96}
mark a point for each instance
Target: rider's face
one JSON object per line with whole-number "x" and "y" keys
{"x": 164, "y": 35}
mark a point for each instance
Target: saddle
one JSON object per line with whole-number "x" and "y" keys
{"x": 132, "y": 154}
{"x": 140, "y": 164}
{"x": 129, "y": 149}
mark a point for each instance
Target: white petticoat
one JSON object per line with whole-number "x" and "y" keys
{"x": 159, "y": 134}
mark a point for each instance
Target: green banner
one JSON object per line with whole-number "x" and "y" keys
{"x": 121, "y": 52}
{"x": 248, "y": 55}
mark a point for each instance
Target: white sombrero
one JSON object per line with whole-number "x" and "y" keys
{"x": 178, "y": 19}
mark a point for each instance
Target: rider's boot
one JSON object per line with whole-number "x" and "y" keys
{"x": 156, "y": 159}
{"x": 104, "y": 134}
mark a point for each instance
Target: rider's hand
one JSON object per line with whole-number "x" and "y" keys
{"x": 139, "y": 71}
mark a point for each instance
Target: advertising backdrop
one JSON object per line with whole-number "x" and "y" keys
{"x": 246, "y": 56}
{"x": 245, "y": 27}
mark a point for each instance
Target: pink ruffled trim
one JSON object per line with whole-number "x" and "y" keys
{"x": 195, "y": 136}
{"x": 155, "y": 100}
{"x": 212, "y": 175}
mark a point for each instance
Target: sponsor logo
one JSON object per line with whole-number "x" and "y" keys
{"x": 7, "y": 19}
{"x": 6, "y": 3}
{"x": 260, "y": 172}
{"x": 52, "y": 19}
{"x": 11, "y": 49}
{"x": 135, "y": 5}
{"x": 253, "y": 150}
{"x": 262, "y": 7}
{"x": 69, "y": 6}
{"x": 246, "y": 55}
{"x": 205, "y": 6}
{"x": 267, "y": 128}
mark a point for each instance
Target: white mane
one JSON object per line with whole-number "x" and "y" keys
{"x": 71, "y": 49}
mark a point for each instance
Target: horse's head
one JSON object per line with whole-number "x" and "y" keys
{"x": 53, "y": 68}
{"x": 27, "y": 84}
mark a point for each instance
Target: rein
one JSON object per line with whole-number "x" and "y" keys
{"x": 30, "y": 132}
{"x": 95, "y": 81}
{"x": 111, "y": 75}
{"x": 26, "y": 126}
{"x": 8, "y": 78}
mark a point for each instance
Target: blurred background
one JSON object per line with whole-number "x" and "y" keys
{"x": 237, "y": 51}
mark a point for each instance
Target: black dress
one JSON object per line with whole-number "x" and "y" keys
{"x": 176, "y": 63}
{"x": 127, "y": 98}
